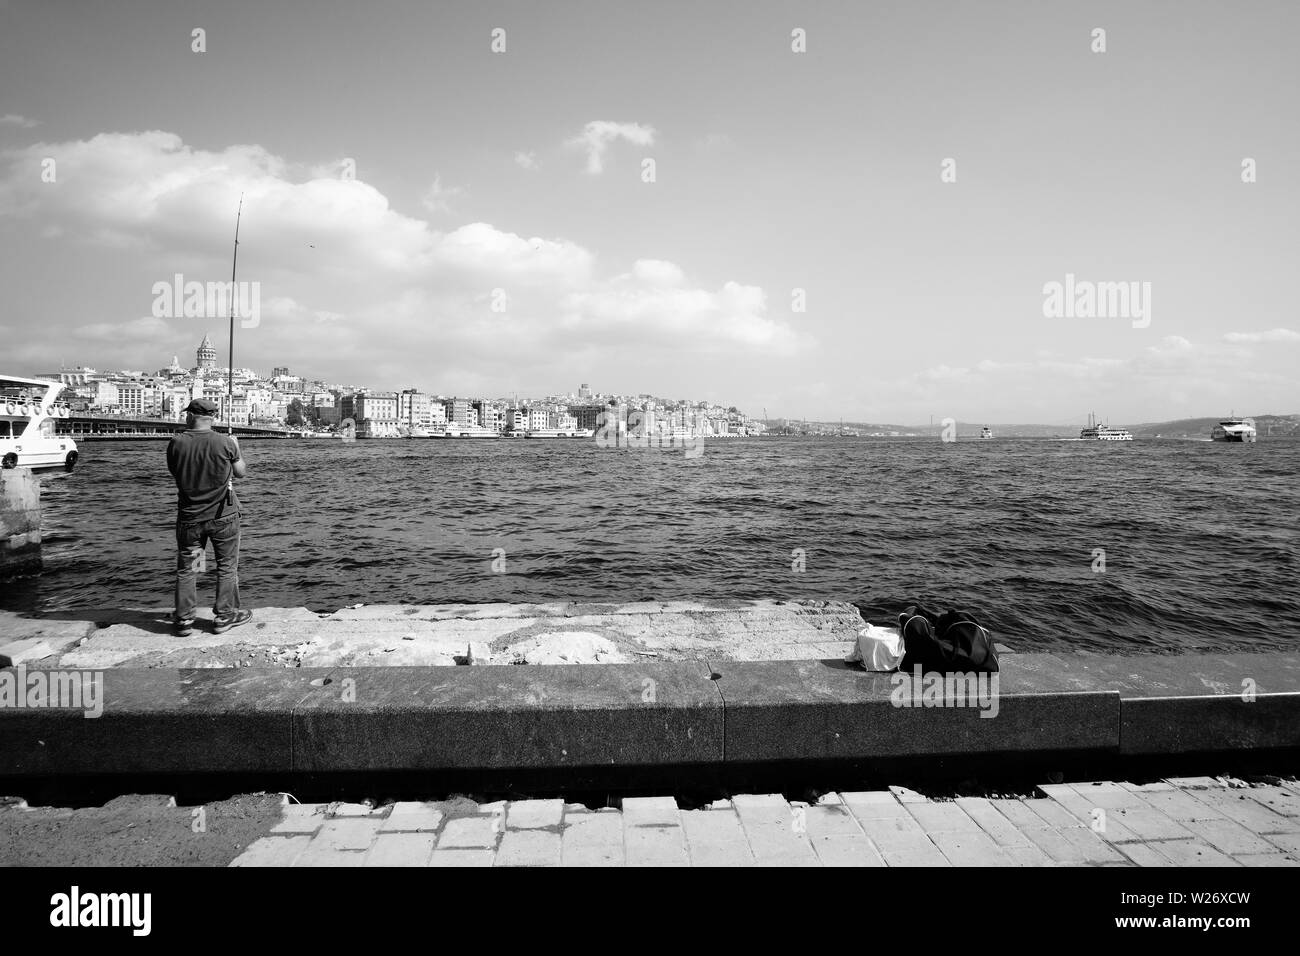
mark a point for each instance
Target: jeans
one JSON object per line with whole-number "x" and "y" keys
{"x": 191, "y": 541}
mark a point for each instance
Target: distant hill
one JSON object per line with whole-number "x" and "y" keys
{"x": 1268, "y": 426}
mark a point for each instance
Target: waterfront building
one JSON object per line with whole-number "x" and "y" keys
{"x": 587, "y": 415}
{"x": 460, "y": 411}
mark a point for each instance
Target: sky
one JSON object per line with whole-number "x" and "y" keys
{"x": 670, "y": 198}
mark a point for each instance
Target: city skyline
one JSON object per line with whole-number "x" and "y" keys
{"x": 872, "y": 218}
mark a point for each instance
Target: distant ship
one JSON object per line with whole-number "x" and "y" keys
{"x": 1234, "y": 430}
{"x": 986, "y": 432}
{"x": 1095, "y": 432}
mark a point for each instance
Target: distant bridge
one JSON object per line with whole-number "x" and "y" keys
{"x": 96, "y": 427}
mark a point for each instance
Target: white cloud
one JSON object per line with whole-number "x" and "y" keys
{"x": 346, "y": 281}
{"x": 1272, "y": 335}
{"x": 657, "y": 272}
{"x": 526, "y": 160}
{"x": 597, "y": 136}
{"x": 436, "y": 199}
{"x": 22, "y": 122}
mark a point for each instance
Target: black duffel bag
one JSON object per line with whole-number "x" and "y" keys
{"x": 951, "y": 642}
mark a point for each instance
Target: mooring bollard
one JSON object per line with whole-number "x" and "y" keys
{"x": 20, "y": 523}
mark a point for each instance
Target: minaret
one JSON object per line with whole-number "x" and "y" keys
{"x": 207, "y": 354}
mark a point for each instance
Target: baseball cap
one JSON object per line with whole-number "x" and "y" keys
{"x": 201, "y": 406}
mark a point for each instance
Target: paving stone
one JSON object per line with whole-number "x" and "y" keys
{"x": 1281, "y": 800}
{"x": 401, "y": 849}
{"x": 649, "y": 812}
{"x": 1287, "y": 841}
{"x": 1267, "y": 859}
{"x": 592, "y": 839}
{"x": 272, "y": 851}
{"x": 942, "y": 817}
{"x": 300, "y": 818}
{"x": 1158, "y": 787}
{"x": 1147, "y": 823}
{"x": 1082, "y": 809}
{"x": 838, "y": 840}
{"x": 1237, "y": 805}
{"x": 1189, "y": 783}
{"x": 1230, "y": 837}
{"x": 654, "y": 846}
{"x": 1073, "y": 845}
{"x": 874, "y": 805}
{"x": 1052, "y": 814}
{"x": 769, "y": 826}
{"x": 1016, "y": 812}
{"x": 1143, "y": 855}
{"x": 716, "y": 838}
{"x": 970, "y": 848}
{"x": 1001, "y": 830}
{"x": 904, "y": 795}
{"x": 1107, "y": 795}
{"x": 352, "y": 810}
{"x": 893, "y": 834}
{"x": 1192, "y": 853}
{"x": 534, "y": 814}
{"x": 347, "y": 834}
{"x": 319, "y": 854}
{"x": 529, "y": 848}
{"x": 412, "y": 818}
{"x": 461, "y": 856}
{"x": 1027, "y": 856}
{"x": 470, "y": 832}
{"x": 918, "y": 853}
{"x": 1182, "y": 806}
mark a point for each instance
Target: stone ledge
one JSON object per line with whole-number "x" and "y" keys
{"x": 641, "y": 715}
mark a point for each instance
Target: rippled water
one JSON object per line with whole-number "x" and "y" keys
{"x": 1200, "y": 539}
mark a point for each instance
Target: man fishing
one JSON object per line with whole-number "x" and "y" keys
{"x": 205, "y": 464}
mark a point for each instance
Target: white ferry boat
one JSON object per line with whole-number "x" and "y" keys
{"x": 1234, "y": 430}
{"x": 452, "y": 430}
{"x": 1095, "y": 432}
{"x": 27, "y": 416}
{"x": 986, "y": 432}
{"x": 559, "y": 433}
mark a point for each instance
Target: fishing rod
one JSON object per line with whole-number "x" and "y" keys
{"x": 230, "y": 370}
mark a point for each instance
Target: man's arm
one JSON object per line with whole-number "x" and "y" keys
{"x": 171, "y": 457}
{"x": 238, "y": 466}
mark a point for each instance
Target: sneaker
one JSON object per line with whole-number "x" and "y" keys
{"x": 183, "y": 628}
{"x": 225, "y": 622}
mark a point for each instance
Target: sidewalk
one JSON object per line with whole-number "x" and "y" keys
{"x": 1199, "y": 821}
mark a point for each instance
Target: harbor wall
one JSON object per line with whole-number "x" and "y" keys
{"x": 20, "y": 523}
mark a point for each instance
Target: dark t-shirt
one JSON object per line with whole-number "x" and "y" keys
{"x": 202, "y": 462}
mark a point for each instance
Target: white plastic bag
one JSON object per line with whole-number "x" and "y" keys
{"x": 877, "y": 649}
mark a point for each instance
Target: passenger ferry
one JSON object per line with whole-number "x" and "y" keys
{"x": 453, "y": 430}
{"x": 1095, "y": 432}
{"x": 986, "y": 432}
{"x": 1234, "y": 430}
{"x": 559, "y": 433}
{"x": 27, "y": 416}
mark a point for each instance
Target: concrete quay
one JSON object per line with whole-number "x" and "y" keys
{"x": 704, "y": 693}
{"x": 435, "y": 635}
